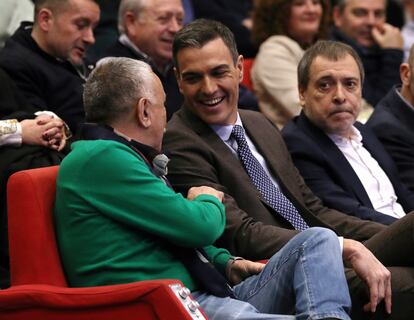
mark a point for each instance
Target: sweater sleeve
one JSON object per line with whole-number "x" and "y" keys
{"x": 118, "y": 184}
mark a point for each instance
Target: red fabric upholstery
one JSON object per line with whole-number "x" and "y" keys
{"x": 39, "y": 290}
{"x": 247, "y": 80}
{"x": 31, "y": 196}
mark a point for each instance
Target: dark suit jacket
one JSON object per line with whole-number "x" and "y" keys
{"x": 393, "y": 123}
{"x": 231, "y": 13}
{"x": 253, "y": 230}
{"x": 331, "y": 177}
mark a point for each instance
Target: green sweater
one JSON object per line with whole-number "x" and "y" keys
{"x": 116, "y": 221}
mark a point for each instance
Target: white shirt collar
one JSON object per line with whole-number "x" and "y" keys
{"x": 340, "y": 140}
{"x": 224, "y": 131}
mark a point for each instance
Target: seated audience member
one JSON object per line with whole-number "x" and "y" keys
{"x": 147, "y": 29}
{"x": 342, "y": 161}
{"x": 45, "y": 59}
{"x": 236, "y": 15}
{"x": 129, "y": 225}
{"x": 283, "y": 29}
{"x": 266, "y": 200}
{"x": 393, "y": 121}
{"x": 361, "y": 24}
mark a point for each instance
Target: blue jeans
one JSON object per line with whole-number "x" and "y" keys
{"x": 304, "y": 280}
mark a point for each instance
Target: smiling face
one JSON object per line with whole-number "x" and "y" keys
{"x": 332, "y": 99}
{"x": 209, "y": 81}
{"x": 305, "y": 19}
{"x": 153, "y": 30}
{"x": 70, "y": 31}
{"x": 358, "y": 18}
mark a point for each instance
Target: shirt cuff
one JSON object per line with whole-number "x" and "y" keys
{"x": 341, "y": 243}
{"x": 10, "y": 133}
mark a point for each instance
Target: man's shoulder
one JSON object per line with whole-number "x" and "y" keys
{"x": 388, "y": 112}
{"x": 98, "y": 154}
{"x": 118, "y": 49}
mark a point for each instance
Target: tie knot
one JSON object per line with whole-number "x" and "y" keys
{"x": 238, "y": 134}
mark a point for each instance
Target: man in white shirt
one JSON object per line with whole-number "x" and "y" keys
{"x": 342, "y": 161}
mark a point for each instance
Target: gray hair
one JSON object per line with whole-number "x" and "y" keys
{"x": 331, "y": 50}
{"x": 201, "y": 31}
{"x": 135, "y": 6}
{"x": 114, "y": 88}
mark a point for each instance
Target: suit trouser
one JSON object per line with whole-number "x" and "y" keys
{"x": 394, "y": 247}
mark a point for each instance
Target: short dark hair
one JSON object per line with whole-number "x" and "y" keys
{"x": 201, "y": 31}
{"x": 331, "y": 50}
{"x": 54, "y": 5}
{"x": 341, "y": 4}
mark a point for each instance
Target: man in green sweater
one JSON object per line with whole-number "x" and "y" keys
{"x": 118, "y": 220}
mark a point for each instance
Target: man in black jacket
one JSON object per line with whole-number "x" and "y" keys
{"x": 45, "y": 59}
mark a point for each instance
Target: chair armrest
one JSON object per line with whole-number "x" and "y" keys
{"x": 153, "y": 299}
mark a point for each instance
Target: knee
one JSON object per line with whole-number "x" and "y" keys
{"x": 320, "y": 235}
{"x": 319, "y": 232}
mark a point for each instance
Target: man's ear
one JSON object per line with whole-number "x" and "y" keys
{"x": 405, "y": 73}
{"x": 142, "y": 114}
{"x": 129, "y": 20}
{"x": 239, "y": 65}
{"x": 44, "y": 19}
{"x": 177, "y": 76}
{"x": 301, "y": 97}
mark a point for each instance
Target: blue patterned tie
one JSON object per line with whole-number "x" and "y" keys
{"x": 270, "y": 193}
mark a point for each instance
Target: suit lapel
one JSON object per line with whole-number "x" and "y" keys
{"x": 335, "y": 158}
{"x": 220, "y": 148}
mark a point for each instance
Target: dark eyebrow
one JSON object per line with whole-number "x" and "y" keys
{"x": 221, "y": 66}
{"x": 189, "y": 74}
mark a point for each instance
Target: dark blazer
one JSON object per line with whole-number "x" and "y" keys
{"x": 330, "y": 176}
{"x": 253, "y": 230}
{"x": 393, "y": 123}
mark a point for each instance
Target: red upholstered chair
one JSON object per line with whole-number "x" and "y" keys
{"x": 39, "y": 290}
{"x": 247, "y": 66}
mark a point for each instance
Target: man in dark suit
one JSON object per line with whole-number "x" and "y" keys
{"x": 343, "y": 162}
{"x": 393, "y": 119}
{"x": 199, "y": 141}
{"x": 147, "y": 29}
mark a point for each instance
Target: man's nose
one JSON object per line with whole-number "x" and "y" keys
{"x": 209, "y": 86}
{"x": 175, "y": 25}
{"x": 88, "y": 36}
{"x": 339, "y": 95}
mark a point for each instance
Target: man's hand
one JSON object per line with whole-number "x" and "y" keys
{"x": 45, "y": 131}
{"x": 238, "y": 270}
{"x": 54, "y": 131}
{"x": 388, "y": 37}
{"x": 196, "y": 191}
{"x": 371, "y": 271}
